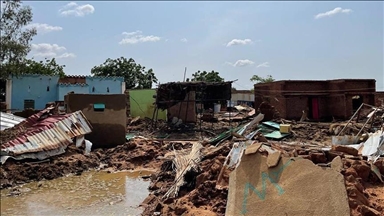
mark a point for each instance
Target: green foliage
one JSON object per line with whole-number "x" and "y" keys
{"x": 47, "y": 67}
{"x": 135, "y": 75}
{"x": 14, "y": 38}
{"x": 205, "y": 76}
{"x": 258, "y": 79}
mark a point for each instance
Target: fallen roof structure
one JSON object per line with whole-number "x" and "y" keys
{"x": 42, "y": 135}
{"x": 8, "y": 120}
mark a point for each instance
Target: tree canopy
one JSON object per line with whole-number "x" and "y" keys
{"x": 47, "y": 67}
{"x": 259, "y": 79}
{"x": 14, "y": 37}
{"x": 135, "y": 75}
{"x": 205, "y": 76}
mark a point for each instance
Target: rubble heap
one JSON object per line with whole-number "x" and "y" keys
{"x": 196, "y": 176}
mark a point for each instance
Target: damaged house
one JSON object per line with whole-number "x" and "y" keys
{"x": 320, "y": 100}
{"x": 105, "y": 112}
{"x": 35, "y": 91}
{"x": 379, "y": 98}
{"x": 184, "y": 99}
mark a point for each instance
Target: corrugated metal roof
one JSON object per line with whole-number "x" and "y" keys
{"x": 48, "y": 134}
{"x": 9, "y": 120}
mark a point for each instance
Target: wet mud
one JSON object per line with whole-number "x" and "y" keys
{"x": 93, "y": 192}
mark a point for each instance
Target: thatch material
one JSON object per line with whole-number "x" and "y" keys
{"x": 183, "y": 163}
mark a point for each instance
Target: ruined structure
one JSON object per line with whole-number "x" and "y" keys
{"x": 106, "y": 113}
{"x": 321, "y": 100}
{"x": 379, "y": 98}
{"x": 181, "y": 98}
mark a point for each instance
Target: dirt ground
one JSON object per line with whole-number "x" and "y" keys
{"x": 200, "y": 196}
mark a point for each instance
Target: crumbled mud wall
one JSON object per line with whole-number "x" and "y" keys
{"x": 109, "y": 125}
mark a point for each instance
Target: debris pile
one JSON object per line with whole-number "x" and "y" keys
{"x": 354, "y": 170}
{"x": 43, "y": 135}
{"x": 136, "y": 153}
{"x": 302, "y": 168}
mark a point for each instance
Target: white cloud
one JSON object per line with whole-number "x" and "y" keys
{"x": 67, "y": 55}
{"x": 241, "y": 63}
{"x": 137, "y": 37}
{"x": 47, "y": 50}
{"x": 333, "y": 12}
{"x": 184, "y": 40}
{"x": 44, "y": 28}
{"x": 76, "y": 10}
{"x": 265, "y": 64}
{"x": 239, "y": 42}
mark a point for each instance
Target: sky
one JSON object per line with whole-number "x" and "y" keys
{"x": 288, "y": 40}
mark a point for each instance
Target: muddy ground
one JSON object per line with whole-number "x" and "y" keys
{"x": 199, "y": 196}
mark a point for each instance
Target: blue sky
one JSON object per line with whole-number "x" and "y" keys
{"x": 288, "y": 40}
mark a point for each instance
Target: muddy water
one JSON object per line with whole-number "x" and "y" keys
{"x": 92, "y": 193}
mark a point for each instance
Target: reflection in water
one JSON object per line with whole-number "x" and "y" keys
{"x": 92, "y": 193}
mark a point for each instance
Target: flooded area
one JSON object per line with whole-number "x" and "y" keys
{"x": 92, "y": 193}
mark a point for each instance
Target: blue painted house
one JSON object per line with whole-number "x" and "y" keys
{"x": 35, "y": 91}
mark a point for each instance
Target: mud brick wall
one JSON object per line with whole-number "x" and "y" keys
{"x": 379, "y": 99}
{"x": 295, "y": 107}
{"x": 109, "y": 125}
{"x": 72, "y": 79}
{"x": 186, "y": 111}
{"x": 304, "y": 86}
{"x": 337, "y": 106}
{"x": 290, "y": 98}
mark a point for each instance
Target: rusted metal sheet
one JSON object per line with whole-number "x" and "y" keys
{"x": 9, "y": 120}
{"x": 48, "y": 134}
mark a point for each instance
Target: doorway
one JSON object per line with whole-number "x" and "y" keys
{"x": 313, "y": 108}
{"x": 357, "y": 100}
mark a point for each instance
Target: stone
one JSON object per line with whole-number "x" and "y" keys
{"x": 273, "y": 159}
{"x": 252, "y": 149}
{"x": 318, "y": 157}
{"x": 367, "y": 211}
{"x": 337, "y": 164}
{"x": 351, "y": 171}
{"x": 362, "y": 170}
{"x": 332, "y": 154}
{"x": 346, "y": 149}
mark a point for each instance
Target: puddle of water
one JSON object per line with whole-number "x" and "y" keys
{"x": 92, "y": 193}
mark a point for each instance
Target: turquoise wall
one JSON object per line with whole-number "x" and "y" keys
{"x": 64, "y": 89}
{"x": 100, "y": 85}
{"x": 33, "y": 87}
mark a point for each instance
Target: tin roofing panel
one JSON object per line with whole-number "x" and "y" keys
{"x": 9, "y": 120}
{"x": 48, "y": 134}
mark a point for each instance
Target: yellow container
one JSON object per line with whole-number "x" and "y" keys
{"x": 285, "y": 128}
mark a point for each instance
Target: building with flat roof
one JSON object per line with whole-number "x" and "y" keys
{"x": 321, "y": 100}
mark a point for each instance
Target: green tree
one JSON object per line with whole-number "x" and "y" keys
{"x": 205, "y": 76}
{"x": 47, "y": 67}
{"x": 135, "y": 75}
{"x": 14, "y": 37}
{"x": 259, "y": 79}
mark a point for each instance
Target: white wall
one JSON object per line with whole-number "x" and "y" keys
{"x": 8, "y": 93}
